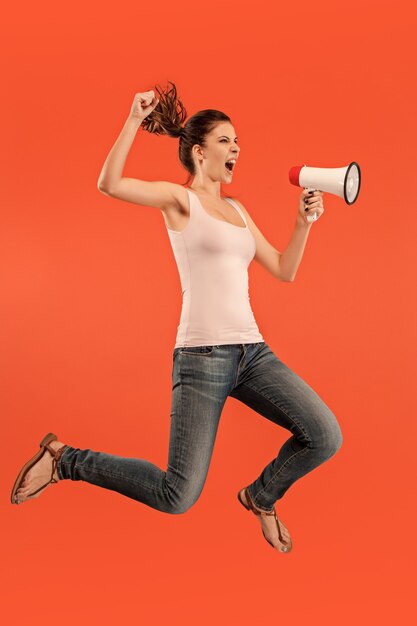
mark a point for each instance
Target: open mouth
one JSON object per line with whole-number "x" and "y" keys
{"x": 230, "y": 165}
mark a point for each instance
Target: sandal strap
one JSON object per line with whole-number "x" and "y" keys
{"x": 279, "y": 528}
{"x": 257, "y": 512}
{"x": 56, "y": 455}
{"x": 252, "y": 506}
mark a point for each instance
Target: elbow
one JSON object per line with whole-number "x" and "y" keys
{"x": 285, "y": 280}
{"x": 280, "y": 273}
{"x": 103, "y": 188}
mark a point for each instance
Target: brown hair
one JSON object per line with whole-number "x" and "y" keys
{"x": 167, "y": 118}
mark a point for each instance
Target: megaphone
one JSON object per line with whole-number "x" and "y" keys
{"x": 341, "y": 181}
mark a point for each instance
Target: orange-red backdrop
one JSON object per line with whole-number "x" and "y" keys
{"x": 90, "y": 302}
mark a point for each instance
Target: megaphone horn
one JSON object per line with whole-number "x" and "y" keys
{"x": 344, "y": 182}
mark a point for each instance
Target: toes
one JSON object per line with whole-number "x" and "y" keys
{"x": 20, "y": 498}
{"x": 286, "y": 538}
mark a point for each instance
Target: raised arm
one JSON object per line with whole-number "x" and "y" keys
{"x": 112, "y": 170}
{"x": 111, "y": 182}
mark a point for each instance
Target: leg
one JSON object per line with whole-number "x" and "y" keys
{"x": 197, "y": 403}
{"x": 269, "y": 387}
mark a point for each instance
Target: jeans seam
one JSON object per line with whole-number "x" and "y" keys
{"x": 118, "y": 476}
{"x": 180, "y": 428}
{"x": 257, "y": 506}
{"x": 133, "y": 481}
{"x": 278, "y": 407}
{"x": 302, "y": 451}
{"x": 238, "y": 367}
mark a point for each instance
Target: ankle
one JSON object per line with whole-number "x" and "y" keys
{"x": 56, "y": 445}
{"x": 257, "y": 507}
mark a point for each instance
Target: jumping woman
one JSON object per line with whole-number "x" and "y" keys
{"x": 219, "y": 351}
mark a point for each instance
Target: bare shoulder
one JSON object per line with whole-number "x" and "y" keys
{"x": 160, "y": 193}
{"x": 244, "y": 211}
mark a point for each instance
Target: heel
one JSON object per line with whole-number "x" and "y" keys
{"x": 47, "y": 439}
{"x": 239, "y": 497}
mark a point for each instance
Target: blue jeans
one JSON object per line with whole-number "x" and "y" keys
{"x": 202, "y": 379}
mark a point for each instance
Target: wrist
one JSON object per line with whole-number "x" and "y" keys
{"x": 134, "y": 121}
{"x": 302, "y": 225}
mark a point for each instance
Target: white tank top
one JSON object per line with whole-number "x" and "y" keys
{"x": 212, "y": 257}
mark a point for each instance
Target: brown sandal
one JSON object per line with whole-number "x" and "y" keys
{"x": 250, "y": 507}
{"x": 44, "y": 445}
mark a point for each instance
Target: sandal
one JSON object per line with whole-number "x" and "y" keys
{"x": 287, "y": 547}
{"x": 44, "y": 445}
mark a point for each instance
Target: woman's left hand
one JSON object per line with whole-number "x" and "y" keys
{"x": 310, "y": 202}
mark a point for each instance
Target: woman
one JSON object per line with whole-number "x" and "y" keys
{"x": 219, "y": 351}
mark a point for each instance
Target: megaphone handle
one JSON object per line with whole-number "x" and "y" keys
{"x": 314, "y": 216}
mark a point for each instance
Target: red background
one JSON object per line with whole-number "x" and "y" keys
{"x": 91, "y": 299}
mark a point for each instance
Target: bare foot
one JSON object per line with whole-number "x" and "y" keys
{"x": 269, "y": 526}
{"x": 38, "y": 475}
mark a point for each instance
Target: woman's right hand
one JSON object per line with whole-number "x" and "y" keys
{"x": 143, "y": 104}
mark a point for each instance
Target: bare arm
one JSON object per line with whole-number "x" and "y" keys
{"x": 112, "y": 169}
{"x": 111, "y": 182}
{"x": 291, "y": 257}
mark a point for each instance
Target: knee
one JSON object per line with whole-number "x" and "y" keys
{"x": 330, "y": 438}
{"x": 181, "y": 503}
{"x": 334, "y": 438}
{"x": 180, "y": 507}
{"x": 336, "y": 442}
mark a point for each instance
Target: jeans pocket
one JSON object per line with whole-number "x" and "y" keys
{"x": 198, "y": 350}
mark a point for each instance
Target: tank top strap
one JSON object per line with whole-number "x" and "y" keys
{"x": 195, "y": 206}
{"x": 237, "y": 207}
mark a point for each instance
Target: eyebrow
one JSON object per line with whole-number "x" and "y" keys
{"x": 226, "y": 137}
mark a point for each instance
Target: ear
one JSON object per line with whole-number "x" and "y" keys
{"x": 197, "y": 150}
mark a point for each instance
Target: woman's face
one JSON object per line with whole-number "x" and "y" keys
{"x": 221, "y": 146}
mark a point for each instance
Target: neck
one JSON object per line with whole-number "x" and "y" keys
{"x": 206, "y": 187}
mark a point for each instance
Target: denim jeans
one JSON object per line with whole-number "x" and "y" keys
{"x": 202, "y": 379}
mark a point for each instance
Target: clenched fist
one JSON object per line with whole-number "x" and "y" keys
{"x": 143, "y": 104}
{"x": 310, "y": 202}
